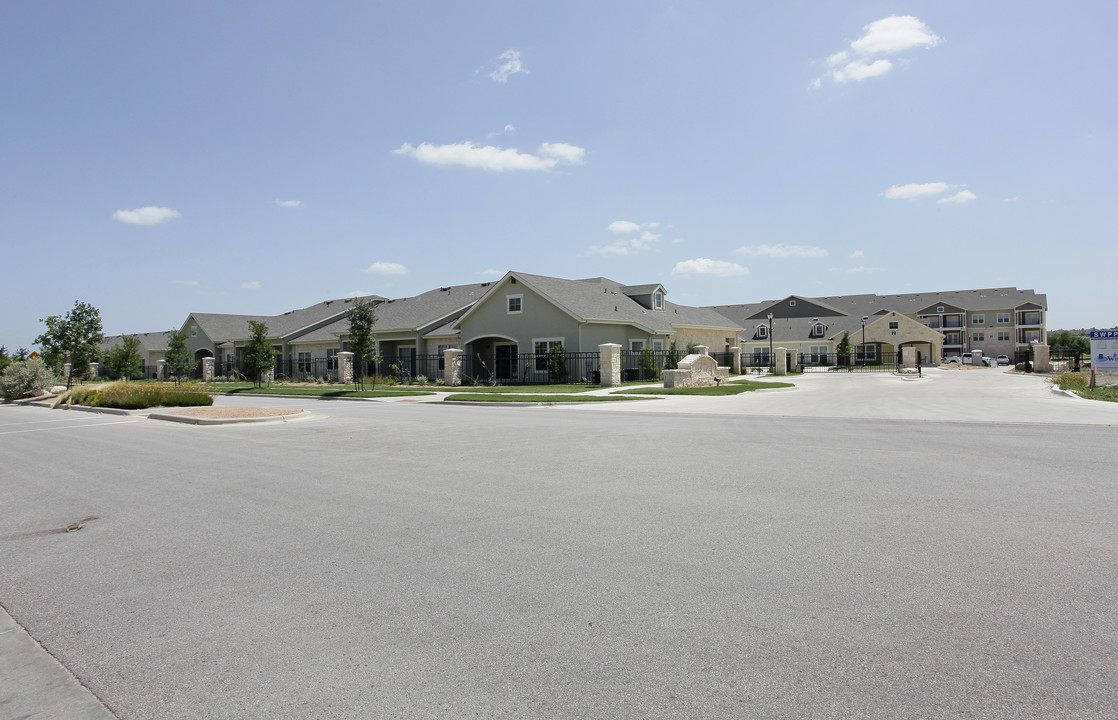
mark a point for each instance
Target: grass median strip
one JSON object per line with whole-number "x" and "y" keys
{"x": 322, "y": 392}
{"x": 725, "y": 389}
{"x": 520, "y": 398}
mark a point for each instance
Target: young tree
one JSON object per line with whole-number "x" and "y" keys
{"x": 556, "y": 364}
{"x": 22, "y": 353}
{"x": 259, "y": 355}
{"x": 5, "y": 361}
{"x": 124, "y": 359}
{"x": 177, "y": 357}
{"x": 74, "y": 338}
{"x": 362, "y": 317}
{"x": 843, "y": 349}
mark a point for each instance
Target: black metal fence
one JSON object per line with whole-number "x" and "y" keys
{"x": 857, "y": 363}
{"x": 530, "y": 369}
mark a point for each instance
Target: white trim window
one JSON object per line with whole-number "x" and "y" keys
{"x": 304, "y": 361}
{"x": 1003, "y": 318}
{"x": 762, "y": 331}
{"x": 978, "y": 319}
{"x": 865, "y": 353}
{"x": 542, "y": 346}
{"x": 657, "y": 300}
{"x": 978, "y": 337}
{"x": 636, "y": 345}
{"x": 1003, "y": 336}
{"x": 332, "y": 359}
{"x": 658, "y": 345}
{"x": 818, "y": 354}
{"x": 514, "y": 304}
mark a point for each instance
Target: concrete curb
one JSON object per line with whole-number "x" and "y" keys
{"x": 190, "y": 420}
{"x": 35, "y": 684}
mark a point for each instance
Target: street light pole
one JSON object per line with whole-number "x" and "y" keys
{"x": 864, "y": 319}
{"x": 772, "y": 358}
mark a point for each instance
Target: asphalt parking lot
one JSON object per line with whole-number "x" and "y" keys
{"x": 785, "y": 555}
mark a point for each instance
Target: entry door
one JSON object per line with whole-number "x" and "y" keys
{"x": 506, "y": 354}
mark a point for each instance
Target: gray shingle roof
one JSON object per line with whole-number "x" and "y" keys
{"x": 149, "y": 341}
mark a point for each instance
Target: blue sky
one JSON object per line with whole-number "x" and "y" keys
{"x": 255, "y": 157}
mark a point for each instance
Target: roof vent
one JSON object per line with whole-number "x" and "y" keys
{"x": 615, "y": 308}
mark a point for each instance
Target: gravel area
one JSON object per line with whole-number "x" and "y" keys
{"x": 223, "y": 413}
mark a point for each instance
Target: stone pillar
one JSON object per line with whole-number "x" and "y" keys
{"x": 66, "y": 370}
{"x": 735, "y": 361}
{"x": 609, "y": 364}
{"x": 908, "y": 357}
{"x": 160, "y": 370}
{"x": 452, "y": 366}
{"x": 1042, "y": 359}
{"x": 94, "y": 369}
{"x": 701, "y": 350}
{"x": 781, "y": 357}
{"x": 345, "y": 366}
{"x": 794, "y": 365}
{"x": 207, "y": 369}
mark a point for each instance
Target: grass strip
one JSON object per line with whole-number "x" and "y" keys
{"x": 322, "y": 392}
{"x": 734, "y": 388}
{"x": 507, "y": 397}
{"x": 1079, "y": 382}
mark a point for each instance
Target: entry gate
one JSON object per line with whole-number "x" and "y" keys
{"x": 834, "y": 363}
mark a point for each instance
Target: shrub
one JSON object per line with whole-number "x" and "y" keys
{"x": 1070, "y": 381}
{"x": 133, "y": 396}
{"x": 421, "y": 379}
{"x": 21, "y": 379}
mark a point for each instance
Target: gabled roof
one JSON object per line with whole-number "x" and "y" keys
{"x": 603, "y": 300}
{"x": 152, "y": 341}
{"x": 221, "y": 327}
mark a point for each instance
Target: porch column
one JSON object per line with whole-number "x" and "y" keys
{"x": 1042, "y": 359}
{"x": 160, "y": 370}
{"x": 780, "y": 355}
{"x": 207, "y": 369}
{"x": 701, "y": 350}
{"x": 345, "y": 366}
{"x": 609, "y": 364}
{"x": 452, "y": 366}
{"x": 794, "y": 364}
{"x": 735, "y": 360}
{"x": 908, "y": 357}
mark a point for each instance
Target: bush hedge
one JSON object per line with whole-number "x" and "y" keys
{"x": 135, "y": 396}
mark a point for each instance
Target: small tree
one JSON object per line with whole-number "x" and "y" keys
{"x": 177, "y": 357}
{"x": 362, "y": 317}
{"x": 124, "y": 359}
{"x": 22, "y": 353}
{"x": 74, "y": 338}
{"x": 5, "y": 361}
{"x": 671, "y": 360}
{"x": 259, "y": 354}
{"x": 557, "y": 363}
{"x": 843, "y": 349}
{"x": 650, "y": 369}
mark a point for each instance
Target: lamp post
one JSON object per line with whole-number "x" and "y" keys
{"x": 772, "y": 358}
{"x": 864, "y": 319}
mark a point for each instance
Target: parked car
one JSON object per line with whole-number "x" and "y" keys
{"x": 963, "y": 359}
{"x": 1003, "y": 359}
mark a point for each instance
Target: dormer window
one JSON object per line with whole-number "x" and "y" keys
{"x": 657, "y": 301}
{"x": 762, "y": 331}
{"x": 817, "y": 330}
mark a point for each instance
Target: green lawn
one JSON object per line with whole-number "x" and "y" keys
{"x": 733, "y": 388}
{"x": 326, "y": 391}
{"x": 508, "y": 397}
{"x": 534, "y": 388}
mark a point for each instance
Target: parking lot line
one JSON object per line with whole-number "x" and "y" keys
{"x": 68, "y": 427}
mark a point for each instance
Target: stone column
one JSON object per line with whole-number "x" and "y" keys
{"x": 161, "y": 370}
{"x": 94, "y": 369}
{"x": 795, "y": 360}
{"x": 452, "y": 366}
{"x": 1042, "y": 359}
{"x": 66, "y": 370}
{"x": 701, "y": 350}
{"x": 735, "y": 361}
{"x": 207, "y": 369}
{"x": 780, "y": 355}
{"x": 908, "y": 357}
{"x": 609, "y": 364}
{"x": 345, "y": 366}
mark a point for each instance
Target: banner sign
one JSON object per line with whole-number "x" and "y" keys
{"x": 1104, "y": 349}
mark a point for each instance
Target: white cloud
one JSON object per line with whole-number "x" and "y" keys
{"x": 493, "y": 158}
{"x": 510, "y": 65}
{"x": 188, "y": 283}
{"x": 895, "y": 34}
{"x": 1011, "y": 199}
{"x": 628, "y": 245}
{"x": 510, "y": 128}
{"x": 783, "y": 251}
{"x": 622, "y": 227}
{"x": 150, "y": 215}
{"x": 886, "y": 36}
{"x": 251, "y": 285}
{"x": 857, "y": 254}
{"x": 386, "y": 268}
{"x": 288, "y": 203}
{"x": 705, "y": 267}
{"x": 960, "y": 198}
{"x": 915, "y": 190}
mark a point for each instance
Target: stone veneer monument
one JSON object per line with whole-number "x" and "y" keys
{"x": 697, "y": 370}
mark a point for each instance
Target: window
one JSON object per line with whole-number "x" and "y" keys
{"x": 304, "y": 362}
{"x": 658, "y": 345}
{"x": 658, "y": 301}
{"x": 636, "y": 345}
{"x": 193, "y": 331}
{"x": 819, "y": 354}
{"x": 543, "y": 346}
{"x": 866, "y": 353}
{"x": 978, "y": 337}
{"x": 933, "y": 323}
{"x": 1029, "y": 318}
{"x": 762, "y": 331}
{"x": 1003, "y": 336}
{"x": 515, "y": 305}
{"x": 760, "y": 356}
{"x": 1003, "y": 318}
{"x": 442, "y": 355}
{"x": 791, "y": 303}
{"x": 818, "y": 330}
{"x": 1030, "y": 335}
{"x": 331, "y": 358}
{"x": 894, "y": 325}
{"x": 939, "y": 309}
{"x": 978, "y": 319}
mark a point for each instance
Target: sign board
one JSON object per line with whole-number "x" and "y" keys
{"x": 1104, "y": 349}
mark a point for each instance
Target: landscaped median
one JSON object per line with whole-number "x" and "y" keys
{"x": 730, "y": 388}
{"x": 499, "y": 397}
{"x": 1079, "y": 383}
{"x": 134, "y": 396}
{"x": 328, "y": 391}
